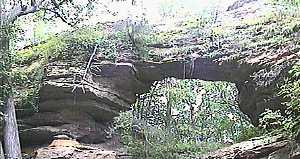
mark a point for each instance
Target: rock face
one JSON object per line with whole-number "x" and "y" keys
{"x": 77, "y": 125}
{"x": 76, "y": 107}
{"x": 276, "y": 147}
{"x": 246, "y": 53}
{"x": 78, "y": 102}
{"x": 107, "y": 92}
{"x": 101, "y": 94}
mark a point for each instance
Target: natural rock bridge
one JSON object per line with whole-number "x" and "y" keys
{"x": 111, "y": 87}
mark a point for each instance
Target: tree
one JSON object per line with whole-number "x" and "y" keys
{"x": 9, "y": 12}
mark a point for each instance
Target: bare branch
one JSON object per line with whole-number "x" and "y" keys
{"x": 62, "y": 17}
{"x": 20, "y": 10}
{"x": 88, "y": 67}
{"x": 55, "y": 4}
{"x": 52, "y": 6}
{"x": 32, "y": 2}
{"x": 55, "y": 10}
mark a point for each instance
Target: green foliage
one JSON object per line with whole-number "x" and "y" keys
{"x": 74, "y": 47}
{"x": 7, "y": 35}
{"x": 159, "y": 143}
{"x": 28, "y": 81}
{"x": 288, "y": 121}
{"x": 291, "y": 2}
{"x": 290, "y": 91}
{"x": 248, "y": 133}
{"x": 179, "y": 119}
{"x": 196, "y": 21}
{"x": 70, "y": 45}
{"x": 112, "y": 44}
{"x": 28, "y": 71}
{"x": 270, "y": 120}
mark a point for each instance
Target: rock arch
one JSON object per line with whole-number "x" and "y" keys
{"x": 112, "y": 87}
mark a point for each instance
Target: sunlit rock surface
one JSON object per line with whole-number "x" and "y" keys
{"x": 71, "y": 149}
{"x": 276, "y": 147}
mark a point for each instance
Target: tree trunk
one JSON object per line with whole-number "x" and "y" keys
{"x": 12, "y": 147}
{"x": 1, "y": 151}
{"x": 169, "y": 104}
{"x": 11, "y": 136}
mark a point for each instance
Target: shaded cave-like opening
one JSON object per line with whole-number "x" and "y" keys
{"x": 186, "y": 111}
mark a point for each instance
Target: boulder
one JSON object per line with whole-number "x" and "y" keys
{"x": 71, "y": 149}
{"x": 275, "y": 147}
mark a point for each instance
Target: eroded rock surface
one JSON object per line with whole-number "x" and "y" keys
{"x": 80, "y": 108}
{"x": 77, "y": 125}
{"x": 276, "y": 147}
{"x": 102, "y": 94}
